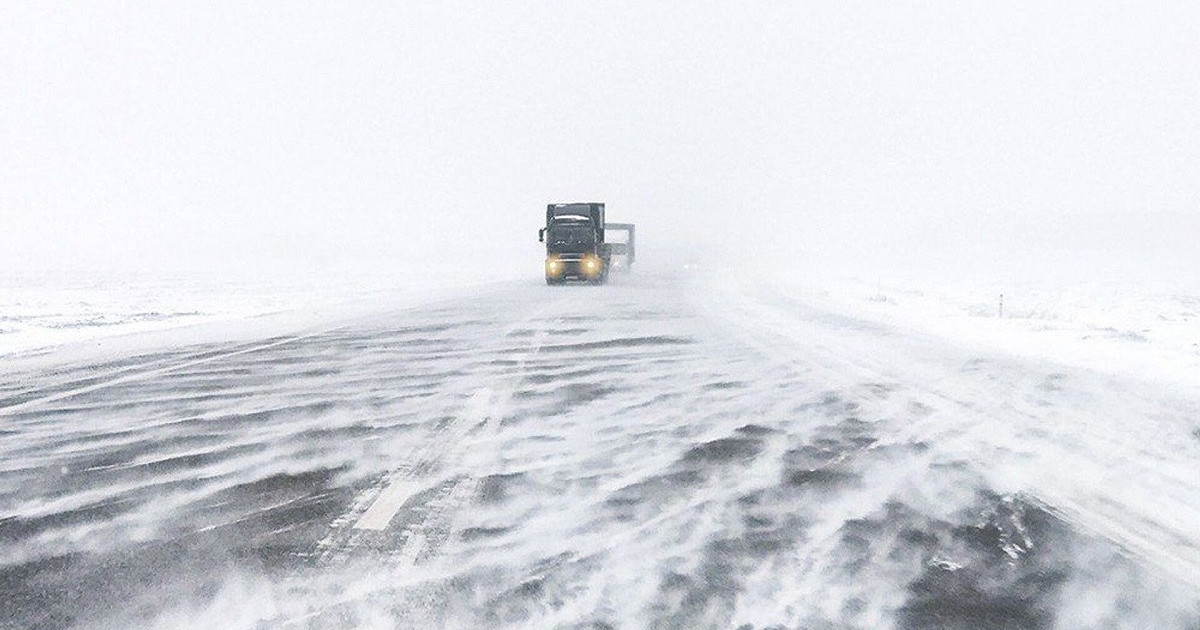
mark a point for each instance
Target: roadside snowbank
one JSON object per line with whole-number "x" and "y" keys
{"x": 1146, "y": 332}
{"x": 76, "y": 315}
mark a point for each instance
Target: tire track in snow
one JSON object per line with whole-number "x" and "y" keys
{"x": 433, "y": 485}
{"x": 409, "y": 515}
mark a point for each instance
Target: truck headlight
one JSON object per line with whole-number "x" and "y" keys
{"x": 592, "y": 266}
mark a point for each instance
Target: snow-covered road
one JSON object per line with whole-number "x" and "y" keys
{"x": 663, "y": 452}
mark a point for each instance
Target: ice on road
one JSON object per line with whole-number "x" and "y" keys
{"x": 663, "y": 452}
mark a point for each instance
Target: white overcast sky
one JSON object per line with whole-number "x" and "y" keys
{"x": 996, "y": 136}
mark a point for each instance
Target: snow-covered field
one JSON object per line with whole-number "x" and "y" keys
{"x": 73, "y": 314}
{"x": 670, "y": 451}
{"x": 38, "y": 312}
{"x": 1145, "y": 331}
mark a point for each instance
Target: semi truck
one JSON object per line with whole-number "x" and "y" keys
{"x": 581, "y": 246}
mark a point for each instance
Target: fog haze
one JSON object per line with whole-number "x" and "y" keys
{"x": 1003, "y": 140}
{"x": 912, "y": 340}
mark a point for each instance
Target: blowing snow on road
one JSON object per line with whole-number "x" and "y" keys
{"x": 664, "y": 452}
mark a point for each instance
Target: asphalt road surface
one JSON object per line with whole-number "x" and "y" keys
{"x": 657, "y": 453}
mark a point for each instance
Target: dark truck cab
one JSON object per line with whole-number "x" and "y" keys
{"x": 575, "y": 244}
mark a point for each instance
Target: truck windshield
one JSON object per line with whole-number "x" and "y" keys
{"x": 565, "y": 239}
